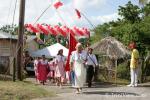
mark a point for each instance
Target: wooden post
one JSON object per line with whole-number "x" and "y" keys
{"x": 20, "y": 40}
{"x": 14, "y": 69}
{"x": 116, "y": 71}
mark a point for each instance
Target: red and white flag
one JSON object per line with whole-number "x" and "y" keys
{"x": 78, "y": 13}
{"x": 57, "y": 4}
{"x": 72, "y": 44}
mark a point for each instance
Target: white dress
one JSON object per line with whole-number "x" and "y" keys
{"x": 78, "y": 60}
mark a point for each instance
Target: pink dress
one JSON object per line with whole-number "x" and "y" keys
{"x": 60, "y": 66}
{"x": 52, "y": 69}
{"x": 42, "y": 70}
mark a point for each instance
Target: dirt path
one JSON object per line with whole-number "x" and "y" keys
{"x": 99, "y": 92}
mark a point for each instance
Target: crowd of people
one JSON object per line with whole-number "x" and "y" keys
{"x": 82, "y": 68}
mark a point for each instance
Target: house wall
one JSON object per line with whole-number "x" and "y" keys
{"x": 7, "y": 47}
{"x": 7, "y": 51}
{"x": 4, "y": 65}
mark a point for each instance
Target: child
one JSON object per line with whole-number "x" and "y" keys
{"x": 51, "y": 74}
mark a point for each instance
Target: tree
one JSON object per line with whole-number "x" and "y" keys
{"x": 143, "y": 2}
{"x": 146, "y": 10}
{"x": 130, "y": 12}
{"x": 12, "y": 29}
{"x": 132, "y": 27}
{"x": 99, "y": 32}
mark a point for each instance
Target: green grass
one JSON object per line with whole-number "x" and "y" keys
{"x": 119, "y": 81}
{"x": 21, "y": 91}
{"x": 122, "y": 81}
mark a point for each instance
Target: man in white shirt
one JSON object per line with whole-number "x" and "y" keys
{"x": 91, "y": 63}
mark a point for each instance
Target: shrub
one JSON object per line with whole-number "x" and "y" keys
{"x": 123, "y": 70}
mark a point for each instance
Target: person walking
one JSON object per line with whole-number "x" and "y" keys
{"x": 134, "y": 65}
{"x": 90, "y": 64}
{"x": 60, "y": 68}
{"x": 42, "y": 70}
{"x": 51, "y": 73}
{"x": 36, "y": 61}
{"x": 77, "y": 64}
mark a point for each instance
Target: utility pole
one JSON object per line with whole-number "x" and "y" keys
{"x": 20, "y": 40}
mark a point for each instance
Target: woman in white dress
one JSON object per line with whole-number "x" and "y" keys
{"x": 77, "y": 64}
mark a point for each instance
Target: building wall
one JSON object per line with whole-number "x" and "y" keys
{"x": 4, "y": 65}
{"x": 7, "y": 47}
{"x": 7, "y": 51}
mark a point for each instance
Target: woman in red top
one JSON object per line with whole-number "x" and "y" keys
{"x": 42, "y": 70}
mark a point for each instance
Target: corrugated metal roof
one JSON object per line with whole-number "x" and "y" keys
{"x": 4, "y": 35}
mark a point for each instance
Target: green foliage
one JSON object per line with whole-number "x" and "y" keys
{"x": 130, "y": 12}
{"x": 134, "y": 26}
{"x": 100, "y": 32}
{"x": 9, "y": 29}
{"x": 123, "y": 71}
{"x": 143, "y": 2}
{"x": 146, "y": 10}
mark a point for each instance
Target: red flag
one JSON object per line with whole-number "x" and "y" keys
{"x": 58, "y": 4}
{"x": 51, "y": 30}
{"x": 72, "y": 44}
{"x": 78, "y": 13}
{"x": 32, "y": 28}
{"x": 42, "y": 29}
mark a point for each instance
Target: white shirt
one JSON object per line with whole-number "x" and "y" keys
{"x": 35, "y": 63}
{"x": 59, "y": 58}
{"x": 44, "y": 62}
{"x": 91, "y": 60}
{"x": 79, "y": 57}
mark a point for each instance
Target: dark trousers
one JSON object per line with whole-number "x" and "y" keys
{"x": 72, "y": 75}
{"x": 90, "y": 74}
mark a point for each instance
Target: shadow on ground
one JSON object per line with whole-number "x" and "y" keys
{"x": 112, "y": 93}
{"x": 144, "y": 85}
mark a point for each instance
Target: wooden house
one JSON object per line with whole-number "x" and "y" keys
{"x": 8, "y": 50}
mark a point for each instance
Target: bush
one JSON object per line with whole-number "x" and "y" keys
{"x": 123, "y": 70}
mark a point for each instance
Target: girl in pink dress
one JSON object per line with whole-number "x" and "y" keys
{"x": 42, "y": 70}
{"x": 51, "y": 74}
{"x": 60, "y": 67}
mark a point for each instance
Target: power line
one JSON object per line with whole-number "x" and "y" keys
{"x": 93, "y": 26}
{"x": 9, "y": 10}
{"x": 61, "y": 18}
{"x": 43, "y": 13}
{"x": 14, "y": 12}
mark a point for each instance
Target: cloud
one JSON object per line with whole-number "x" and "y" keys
{"x": 104, "y": 18}
{"x": 89, "y": 4}
{"x": 95, "y": 20}
{"x": 65, "y": 14}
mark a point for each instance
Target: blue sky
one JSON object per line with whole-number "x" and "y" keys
{"x": 97, "y": 11}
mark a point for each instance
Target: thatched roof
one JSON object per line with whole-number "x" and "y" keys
{"x": 111, "y": 47}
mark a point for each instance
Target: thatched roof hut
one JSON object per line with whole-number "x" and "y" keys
{"x": 111, "y": 47}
